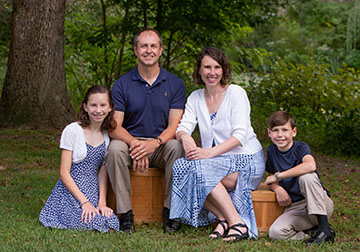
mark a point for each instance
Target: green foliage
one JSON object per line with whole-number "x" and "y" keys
{"x": 5, "y": 33}
{"x": 325, "y": 105}
{"x": 314, "y": 30}
{"x": 99, "y": 34}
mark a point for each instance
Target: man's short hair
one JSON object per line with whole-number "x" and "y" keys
{"x": 136, "y": 38}
{"x": 279, "y": 118}
{"x": 217, "y": 55}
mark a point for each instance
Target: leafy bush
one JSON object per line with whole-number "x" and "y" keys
{"x": 325, "y": 105}
{"x": 326, "y": 31}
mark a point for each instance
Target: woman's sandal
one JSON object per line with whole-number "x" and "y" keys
{"x": 238, "y": 237}
{"x": 217, "y": 233}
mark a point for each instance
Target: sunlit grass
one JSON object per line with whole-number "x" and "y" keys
{"x": 29, "y": 161}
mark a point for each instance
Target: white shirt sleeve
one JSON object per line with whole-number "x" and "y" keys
{"x": 68, "y": 136}
{"x": 240, "y": 115}
{"x": 189, "y": 119}
{"x": 72, "y": 139}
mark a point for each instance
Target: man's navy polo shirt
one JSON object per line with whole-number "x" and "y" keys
{"x": 146, "y": 107}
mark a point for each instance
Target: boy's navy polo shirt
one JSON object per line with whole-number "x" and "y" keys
{"x": 278, "y": 161}
{"x": 146, "y": 107}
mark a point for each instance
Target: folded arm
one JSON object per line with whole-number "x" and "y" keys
{"x": 140, "y": 149}
{"x": 308, "y": 165}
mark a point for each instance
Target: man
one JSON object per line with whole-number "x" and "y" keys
{"x": 149, "y": 103}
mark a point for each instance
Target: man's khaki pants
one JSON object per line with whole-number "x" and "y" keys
{"x": 300, "y": 215}
{"x": 118, "y": 162}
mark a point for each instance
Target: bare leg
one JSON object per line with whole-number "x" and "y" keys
{"x": 219, "y": 228}
{"x": 221, "y": 203}
{"x": 228, "y": 182}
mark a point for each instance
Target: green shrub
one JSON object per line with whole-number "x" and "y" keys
{"x": 325, "y": 105}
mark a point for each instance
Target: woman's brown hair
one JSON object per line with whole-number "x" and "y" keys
{"x": 220, "y": 58}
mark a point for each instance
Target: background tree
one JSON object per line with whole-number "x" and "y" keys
{"x": 34, "y": 91}
{"x": 99, "y": 34}
{"x": 5, "y": 34}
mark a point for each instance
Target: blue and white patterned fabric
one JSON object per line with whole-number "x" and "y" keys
{"x": 212, "y": 118}
{"x": 194, "y": 180}
{"x": 62, "y": 210}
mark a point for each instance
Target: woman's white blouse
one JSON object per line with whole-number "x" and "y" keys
{"x": 232, "y": 119}
{"x": 73, "y": 139}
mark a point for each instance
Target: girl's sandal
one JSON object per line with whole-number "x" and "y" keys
{"x": 238, "y": 237}
{"x": 217, "y": 233}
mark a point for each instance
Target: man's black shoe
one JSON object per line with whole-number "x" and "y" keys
{"x": 321, "y": 237}
{"x": 169, "y": 226}
{"x": 127, "y": 222}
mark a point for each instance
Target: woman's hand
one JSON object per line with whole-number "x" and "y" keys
{"x": 199, "y": 153}
{"x": 188, "y": 143}
{"x": 88, "y": 212}
{"x": 105, "y": 211}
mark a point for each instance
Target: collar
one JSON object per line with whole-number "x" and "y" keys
{"x": 137, "y": 77}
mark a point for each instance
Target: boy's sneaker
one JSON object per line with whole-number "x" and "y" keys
{"x": 321, "y": 237}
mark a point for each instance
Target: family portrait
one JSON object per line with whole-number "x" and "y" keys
{"x": 180, "y": 126}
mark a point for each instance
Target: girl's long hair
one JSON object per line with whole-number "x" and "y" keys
{"x": 109, "y": 123}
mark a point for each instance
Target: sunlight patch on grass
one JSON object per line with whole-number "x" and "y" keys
{"x": 31, "y": 161}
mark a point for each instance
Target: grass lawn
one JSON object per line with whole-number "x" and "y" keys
{"x": 29, "y": 167}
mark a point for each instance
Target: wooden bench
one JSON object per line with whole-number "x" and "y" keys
{"x": 147, "y": 199}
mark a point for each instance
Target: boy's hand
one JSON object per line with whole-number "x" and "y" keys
{"x": 282, "y": 196}
{"x": 270, "y": 179}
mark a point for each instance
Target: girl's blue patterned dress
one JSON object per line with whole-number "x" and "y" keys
{"x": 62, "y": 210}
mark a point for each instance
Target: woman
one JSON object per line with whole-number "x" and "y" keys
{"x": 214, "y": 181}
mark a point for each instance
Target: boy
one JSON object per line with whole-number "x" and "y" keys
{"x": 295, "y": 180}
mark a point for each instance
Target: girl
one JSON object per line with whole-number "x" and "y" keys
{"x": 78, "y": 200}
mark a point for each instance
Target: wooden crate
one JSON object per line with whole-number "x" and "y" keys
{"x": 266, "y": 208}
{"x": 147, "y": 199}
{"x": 147, "y": 195}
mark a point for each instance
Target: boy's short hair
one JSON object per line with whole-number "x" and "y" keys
{"x": 279, "y": 118}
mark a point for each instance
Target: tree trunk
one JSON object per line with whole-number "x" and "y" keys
{"x": 34, "y": 91}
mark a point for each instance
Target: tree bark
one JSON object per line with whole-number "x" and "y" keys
{"x": 34, "y": 92}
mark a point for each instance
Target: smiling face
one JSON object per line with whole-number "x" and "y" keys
{"x": 282, "y": 136}
{"x": 97, "y": 107}
{"x": 210, "y": 71}
{"x": 148, "y": 49}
